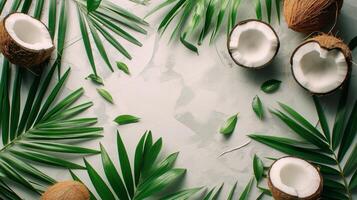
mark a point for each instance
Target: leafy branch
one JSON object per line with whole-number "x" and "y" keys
{"x": 321, "y": 146}
{"x": 37, "y": 130}
{"x": 197, "y": 18}
{"x": 147, "y": 176}
{"x": 99, "y": 19}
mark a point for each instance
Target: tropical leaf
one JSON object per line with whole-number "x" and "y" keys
{"x": 353, "y": 43}
{"x": 270, "y": 86}
{"x": 258, "y": 168}
{"x": 126, "y": 119}
{"x": 339, "y": 173}
{"x": 246, "y": 191}
{"x": 105, "y": 94}
{"x": 208, "y": 14}
{"x": 38, "y": 130}
{"x": 130, "y": 182}
{"x": 257, "y": 107}
{"x": 107, "y": 19}
{"x": 229, "y": 126}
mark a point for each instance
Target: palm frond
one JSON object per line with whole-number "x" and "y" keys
{"x": 146, "y": 178}
{"x": 196, "y": 19}
{"x": 106, "y": 20}
{"x": 41, "y": 129}
{"x": 339, "y": 172}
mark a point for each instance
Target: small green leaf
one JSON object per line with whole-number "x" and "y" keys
{"x": 231, "y": 193}
{"x": 229, "y": 126}
{"x": 92, "y": 5}
{"x": 126, "y": 119}
{"x": 123, "y": 67}
{"x": 351, "y": 163}
{"x": 258, "y": 9}
{"x": 182, "y": 195}
{"x": 270, "y": 86}
{"x": 353, "y": 182}
{"x": 258, "y": 168}
{"x": 245, "y": 193}
{"x": 153, "y": 186}
{"x": 95, "y": 78}
{"x": 258, "y": 107}
{"x": 188, "y": 45}
{"x": 353, "y": 43}
{"x": 106, "y": 95}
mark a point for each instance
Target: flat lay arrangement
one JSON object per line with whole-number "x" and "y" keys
{"x": 178, "y": 99}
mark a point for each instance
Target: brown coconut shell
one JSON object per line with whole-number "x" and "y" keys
{"x": 328, "y": 42}
{"x": 280, "y": 195}
{"x": 244, "y": 22}
{"x": 307, "y": 16}
{"x": 67, "y": 190}
{"x": 19, "y": 55}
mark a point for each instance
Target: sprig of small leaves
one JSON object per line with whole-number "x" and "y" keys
{"x": 326, "y": 153}
{"x": 198, "y": 18}
{"x": 145, "y": 178}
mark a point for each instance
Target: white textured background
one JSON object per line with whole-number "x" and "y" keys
{"x": 184, "y": 98}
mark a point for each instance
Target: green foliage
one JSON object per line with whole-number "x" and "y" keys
{"x": 126, "y": 119}
{"x": 123, "y": 67}
{"x": 106, "y": 95}
{"x": 229, "y": 126}
{"x": 92, "y": 5}
{"x": 257, "y": 107}
{"x": 96, "y": 18}
{"x": 339, "y": 171}
{"x": 215, "y": 193}
{"x": 270, "y": 86}
{"x": 41, "y": 128}
{"x": 145, "y": 178}
{"x": 38, "y": 131}
{"x": 197, "y": 18}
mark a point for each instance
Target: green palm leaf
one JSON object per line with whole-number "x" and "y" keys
{"x": 122, "y": 184}
{"x": 339, "y": 173}
{"x": 205, "y": 14}
{"x": 36, "y": 132}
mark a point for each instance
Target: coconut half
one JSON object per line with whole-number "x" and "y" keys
{"x": 322, "y": 64}
{"x": 253, "y": 44}
{"x": 294, "y": 178}
{"x": 24, "y": 40}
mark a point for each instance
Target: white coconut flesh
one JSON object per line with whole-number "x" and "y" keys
{"x": 319, "y": 70}
{"x": 295, "y": 177}
{"x": 28, "y": 32}
{"x": 253, "y": 44}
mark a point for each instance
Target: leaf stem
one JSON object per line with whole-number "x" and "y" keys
{"x": 342, "y": 174}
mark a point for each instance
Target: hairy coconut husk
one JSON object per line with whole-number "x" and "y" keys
{"x": 329, "y": 42}
{"x": 18, "y": 54}
{"x": 280, "y": 195}
{"x": 307, "y": 16}
{"x": 67, "y": 190}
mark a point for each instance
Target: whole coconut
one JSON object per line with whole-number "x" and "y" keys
{"x": 67, "y": 190}
{"x": 307, "y": 16}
